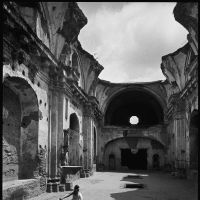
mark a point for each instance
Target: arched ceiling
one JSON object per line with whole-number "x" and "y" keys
{"x": 133, "y": 103}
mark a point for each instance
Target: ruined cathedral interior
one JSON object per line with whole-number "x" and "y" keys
{"x": 61, "y": 122}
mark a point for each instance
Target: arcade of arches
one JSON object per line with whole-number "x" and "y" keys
{"x": 61, "y": 120}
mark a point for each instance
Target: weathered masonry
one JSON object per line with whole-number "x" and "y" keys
{"x": 119, "y": 138}
{"x": 61, "y": 122}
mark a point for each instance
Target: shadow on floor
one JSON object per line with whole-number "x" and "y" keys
{"x": 131, "y": 195}
{"x": 123, "y": 196}
{"x": 133, "y": 180}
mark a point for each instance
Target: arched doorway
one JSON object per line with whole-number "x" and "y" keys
{"x": 74, "y": 149}
{"x": 112, "y": 164}
{"x": 156, "y": 161}
{"x": 20, "y": 129}
{"x": 194, "y": 140}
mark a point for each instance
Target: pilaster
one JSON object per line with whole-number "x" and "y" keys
{"x": 54, "y": 133}
{"x": 87, "y": 137}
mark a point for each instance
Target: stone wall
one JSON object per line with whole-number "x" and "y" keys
{"x": 114, "y": 148}
{"x": 180, "y": 69}
{"x": 108, "y": 134}
{"x": 25, "y": 190}
{"x": 11, "y": 134}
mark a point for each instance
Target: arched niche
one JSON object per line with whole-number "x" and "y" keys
{"x": 74, "y": 151}
{"x": 20, "y": 129}
{"x": 193, "y": 135}
{"x": 74, "y": 122}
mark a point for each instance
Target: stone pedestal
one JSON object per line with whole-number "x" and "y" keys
{"x": 68, "y": 186}
{"x": 61, "y": 188}
{"x": 55, "y": 187}
{"x": 49, "y": 187}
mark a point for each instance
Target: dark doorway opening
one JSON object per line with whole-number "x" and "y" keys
{"x": 136, "y": 161}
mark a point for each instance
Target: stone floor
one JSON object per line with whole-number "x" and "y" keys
{"x": 110, "y": 186}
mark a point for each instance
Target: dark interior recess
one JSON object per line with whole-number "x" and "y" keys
{"x": 136, "y": 161}
{"x": 134, "y": 103}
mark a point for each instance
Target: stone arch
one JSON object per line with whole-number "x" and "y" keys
{"x": 133, "y": 101}
{"x": 74, "y": 122}
{"x": 20, "y": 129}
{"x": 193, "y": 135}
{"x": 133, "y": 87}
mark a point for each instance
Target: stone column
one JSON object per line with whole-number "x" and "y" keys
{"x": 187, "y": 133}
{"x": 60, "y": 138}
{"x": 54, "y": 133}
{"x": 49, "y": 137}
{"x": 180, "y": 133}
{"x": 87, "y": 137}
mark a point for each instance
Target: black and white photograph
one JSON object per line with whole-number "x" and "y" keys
{"x": 99, "y": 100}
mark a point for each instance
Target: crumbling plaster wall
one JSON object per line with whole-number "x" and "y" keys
{"x": 45, "y": 19}
{"x": 11, "y": 134}
{"x": 41, "y": 91}
{"x": 89, "y": 67}
{"x": 187, "y": 15}
{"x": 55, "y": 23}
{"x": 180, "y": 69}
{"x": 174, "y": 66}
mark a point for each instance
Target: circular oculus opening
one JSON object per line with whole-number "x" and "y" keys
{"x": 134, "y": 120}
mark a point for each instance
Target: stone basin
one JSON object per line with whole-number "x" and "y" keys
{"x": 70, "y": 173}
